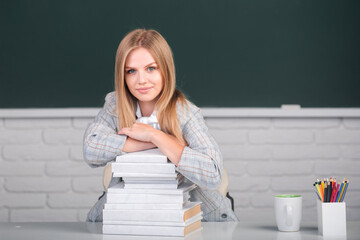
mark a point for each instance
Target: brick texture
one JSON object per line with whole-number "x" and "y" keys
{"x": 43, "y": 176}
{"x": 43, "y": 215}
{"x": 352, "y": 123}
{"x": 72, "y": 200}
{"x": 37, "y": 184}
{"x": 38, "y": 152}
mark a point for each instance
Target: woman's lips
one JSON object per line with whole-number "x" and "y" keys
{"x": 143, "y": 90}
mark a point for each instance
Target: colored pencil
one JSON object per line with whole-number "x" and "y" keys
{"x": 317, "y": 191}
{"x": 333, "y": 190}
{"x": 339, "y": 193}
{"x": 325, "y": 192}
{"x": 321, "y": 189}
{"x": 343, "y": 196}
{"x": 329, "y": 190}
{"x": 342, "y": 191}
{"x": 317, "y": 195}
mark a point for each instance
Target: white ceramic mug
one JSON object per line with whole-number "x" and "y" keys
{"x": 288, "y": 212}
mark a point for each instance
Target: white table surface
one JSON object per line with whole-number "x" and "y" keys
{"x": 220, "y": 231}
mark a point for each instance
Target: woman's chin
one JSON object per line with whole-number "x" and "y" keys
{"x": 146, "y": 99}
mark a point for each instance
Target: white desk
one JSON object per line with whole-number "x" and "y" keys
{"x": 218, "y": 231}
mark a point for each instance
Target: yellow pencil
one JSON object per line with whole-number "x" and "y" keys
{"x": 342, "y": 191}
{"x": 318, "y": 189}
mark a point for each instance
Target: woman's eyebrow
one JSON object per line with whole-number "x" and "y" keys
{"x": 145, "y": 66}
{"x": 150, "y": 64}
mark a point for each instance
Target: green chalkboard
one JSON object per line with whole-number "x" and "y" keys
{"x": 228, "y": 53}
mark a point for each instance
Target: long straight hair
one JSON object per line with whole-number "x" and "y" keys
{"x": 169, "y": 96}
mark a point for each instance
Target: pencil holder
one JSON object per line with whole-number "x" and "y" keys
{"x": 331, "y": 218}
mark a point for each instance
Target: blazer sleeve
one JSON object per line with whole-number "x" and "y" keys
{"x": 101, "y": 142}
{"x": 201, "y": 161}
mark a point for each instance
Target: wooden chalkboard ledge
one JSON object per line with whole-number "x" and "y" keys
{"x": 207, "y": 112}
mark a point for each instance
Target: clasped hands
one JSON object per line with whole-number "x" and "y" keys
{"x": 139, "y": 131}
{"x": 148, "y": 137}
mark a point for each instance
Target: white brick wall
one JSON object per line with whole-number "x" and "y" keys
{"x": 43, "y": 176}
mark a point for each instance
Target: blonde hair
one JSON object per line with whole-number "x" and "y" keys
{"x": 169, "y": 96}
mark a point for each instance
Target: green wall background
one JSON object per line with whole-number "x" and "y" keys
{"x": 228, "y": 53}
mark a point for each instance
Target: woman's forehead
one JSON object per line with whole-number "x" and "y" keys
{"x": 139, "y": 57}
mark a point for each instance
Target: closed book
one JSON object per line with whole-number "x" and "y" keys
{"x": 191, "y": 220}
{"x": 142, "y": 206}
{"x": 151, "y": 185}
{"x": 144, "y": 175}
{"x": 119, "y": 189}
{"x": 147, "y": 156}
{"x": 147, "y": 198}
{"x": 153, "y": 168}
{"x": 154, "y": 181}
{"x": 176, "y": 177}
{"x": 173, "y": 231}
{"x": 190, "y": 209}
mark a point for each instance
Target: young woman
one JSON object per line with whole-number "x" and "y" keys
{"x": 145, "y": 91}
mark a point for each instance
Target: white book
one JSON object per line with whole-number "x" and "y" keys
{"x": 173, "y": 231}
{"x": 142, "y": 206}
{"x": 195, "y": 218}
{"x": 151, "y": 185}
{"x": 153, "y": 168}
{"x": 144, "y": 175}
{"x": 181, "y": 215}
{"x": 119, "y": 189}
{"x": 178, "y": 181}
{"x": 178, "y": 177}
{"x": 147, "y": 156}
{"x": 147, "y": 198}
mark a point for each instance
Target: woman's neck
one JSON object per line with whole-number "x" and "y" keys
{"x": 146, "y": 108}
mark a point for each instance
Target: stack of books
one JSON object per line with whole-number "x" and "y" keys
{"x": 152, "y": 199}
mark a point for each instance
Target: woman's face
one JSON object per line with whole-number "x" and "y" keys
{"x": 143, "y": 76}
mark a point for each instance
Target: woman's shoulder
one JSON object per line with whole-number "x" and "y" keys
{"x": 187, "y": 111}
{"x": 110, "y": 103}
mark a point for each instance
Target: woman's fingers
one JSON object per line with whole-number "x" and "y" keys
{"x": 138, "y": 131}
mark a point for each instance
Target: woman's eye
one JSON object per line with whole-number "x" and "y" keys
{"x": 151, "y": 69}
{"x": 130, "y": 71}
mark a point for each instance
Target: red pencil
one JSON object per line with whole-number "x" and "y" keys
{"x": 333, "y": 193}
{"x": 333, "y": 190}
{"x": 337, "y": 191}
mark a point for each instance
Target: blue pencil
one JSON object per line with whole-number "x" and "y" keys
{"x": 317, "y": 192}
{"x": 346, "y": 186}
{"x": 339, "y": 193}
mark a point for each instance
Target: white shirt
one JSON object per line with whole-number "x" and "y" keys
{"x": 151, "y": 120}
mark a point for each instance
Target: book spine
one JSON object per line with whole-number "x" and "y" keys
{"x": 146, "y": 198}
{"x": 144, "y": 230}
{"x": 150, "y": 186}
{"x": 139, "y": 206}
{"x": 141, "y": 160}
{"x": 144, "y": 215}
{"x": 143, "y": 175}
{"x": 144, "y": 168}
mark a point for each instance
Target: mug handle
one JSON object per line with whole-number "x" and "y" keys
{"x": 289, "y": 214}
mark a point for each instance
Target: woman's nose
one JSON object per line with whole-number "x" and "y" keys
{"x": 141, "y": 77}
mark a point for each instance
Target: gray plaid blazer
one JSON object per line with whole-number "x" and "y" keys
{"x": 201, "y": 161}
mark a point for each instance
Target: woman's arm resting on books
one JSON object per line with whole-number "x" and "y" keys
{"x": 200, "y": 162}
{"x": 167, "y": 144}
{"x": 133, "y": 145}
